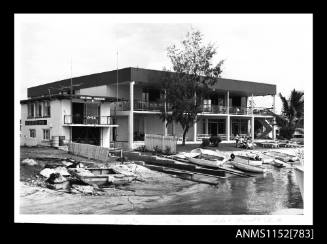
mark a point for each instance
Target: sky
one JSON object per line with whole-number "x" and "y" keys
{"x": 269, "y": 48}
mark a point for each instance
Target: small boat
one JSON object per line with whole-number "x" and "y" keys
{"x": 247, "y": 160}
{"x": 299, "y": 174}
{"x": 247, "y": 167}
{"x": 278, "y": 163}
{"x": 103, "y": 177}
{"x": 209, "y": 154}
{"x": 250, "y": 155}
{"x": 206, "y": 162}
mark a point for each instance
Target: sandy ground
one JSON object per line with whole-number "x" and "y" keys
{"x": 36, "y": 199}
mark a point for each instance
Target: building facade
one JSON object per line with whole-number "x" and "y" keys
{"x": 132, "y": 95}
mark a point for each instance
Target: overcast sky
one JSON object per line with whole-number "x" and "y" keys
{"x": 268, "y": 48}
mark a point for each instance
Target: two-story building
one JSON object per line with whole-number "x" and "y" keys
{"x": 133, "y": 97}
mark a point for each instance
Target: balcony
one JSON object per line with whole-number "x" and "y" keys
{"x": 214, "y": 109}
{"x": 88, "y": 120}
{"x": 206, "y": 108}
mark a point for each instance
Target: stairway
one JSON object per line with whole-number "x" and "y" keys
{"x": 268, "y": 128}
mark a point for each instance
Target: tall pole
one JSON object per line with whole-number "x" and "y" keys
{"x": 117, "y": 78}
{"x": 71, "y": 77}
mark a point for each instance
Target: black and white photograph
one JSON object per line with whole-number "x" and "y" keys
{"x": 163, "y": 119}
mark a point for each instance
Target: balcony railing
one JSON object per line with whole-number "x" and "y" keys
{"x": 212, "y": 109}
{"x": 88, "y": 120}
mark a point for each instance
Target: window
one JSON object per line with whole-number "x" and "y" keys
{"x": 46, "y": 134}
{"x": 32, "y": 133}
{"x": 39, "y": 109}
{"x": 207, "y": 105}
{"x": 46, "y": 112}
{"x": 30, "y": 107}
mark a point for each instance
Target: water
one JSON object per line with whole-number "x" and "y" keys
{"x": 263, "y": 194}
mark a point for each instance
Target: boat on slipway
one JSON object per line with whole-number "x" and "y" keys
{"x": 281, "y": 156}
{"x": 248, "y": 160}
{"x": 207, "y": 158}
{"x": 242, "y": 164}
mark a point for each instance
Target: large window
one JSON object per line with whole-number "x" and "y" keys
{"x": 30, "y": 107}
{"x": 239, "y": 126}
{"x": 39, "y": 109}
{"x": 46, "y": 111}
{"x": 46, "y": 134}
{"x": 32, "y": 133}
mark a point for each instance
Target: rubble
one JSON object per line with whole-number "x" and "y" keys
{"x": 56, "y": 178}
{"x": 87, "y": 190}
{"x": 47, "y": 172}
{"x": 29, "y": 162}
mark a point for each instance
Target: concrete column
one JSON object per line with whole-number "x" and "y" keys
{"x": 195, "y": 131}
{"x": 228, "y": 128}
{"x": 174, "y": 128}
{"x": 206, "y": 129}
{"x": 131, "y": 116}
{"x": 274, "y": 119}
{"x": 165, "y": 129}
{"x": 105, "y": 136}
{"x": 252, "y": 127}
{"x": 249, "y": 127}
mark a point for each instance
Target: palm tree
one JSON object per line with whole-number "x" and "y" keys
{"x": 292, "y": 116}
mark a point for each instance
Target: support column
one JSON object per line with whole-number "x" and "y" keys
{"x": 274, "y": 119}
{"x": 228, "y": 118}
{"x": 206, "y": 129}
{"x": 228, "y": 128}
{"x": 165, "y": 129}
{"x": 195, "y": 131}
{"x": 131, "y": 116}
{"x": 252, "y": 127}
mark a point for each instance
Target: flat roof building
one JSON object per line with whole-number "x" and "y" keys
{"x": 100, "y": 112}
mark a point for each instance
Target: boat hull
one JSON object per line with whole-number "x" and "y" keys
{"x": 299, "y": 174}
{"x": 248, "y": 168}
{"x": 205, "y": 162}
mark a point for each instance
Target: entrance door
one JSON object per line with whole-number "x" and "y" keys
{"x": 212, "y": 128}
{"x": 78, "y": 113}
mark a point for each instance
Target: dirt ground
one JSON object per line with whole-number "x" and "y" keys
{"x": 35, "y": 198}
{"x": 158, "y": 188}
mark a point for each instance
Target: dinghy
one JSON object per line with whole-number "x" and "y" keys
{"x": 278, "y": 163}
{"x": 246, "y": 160}
{"x": 206, "y": 162}
{"x": 209, "y": 154}
{"x": 247, "y": 167}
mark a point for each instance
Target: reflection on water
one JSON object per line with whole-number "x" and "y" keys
{"x": 263, "y": 194}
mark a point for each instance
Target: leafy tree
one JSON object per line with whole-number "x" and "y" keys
{"x": 194, "y": 73}
{"x": 292, "y": 115}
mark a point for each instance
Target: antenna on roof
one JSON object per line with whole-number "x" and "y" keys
{"x": 71, "y": 77}
{"x": 117, "y": 78}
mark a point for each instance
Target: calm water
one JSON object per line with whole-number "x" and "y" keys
{"x": 263, "y": 194}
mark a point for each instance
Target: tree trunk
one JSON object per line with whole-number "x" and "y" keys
{"x": 184, "y": 134}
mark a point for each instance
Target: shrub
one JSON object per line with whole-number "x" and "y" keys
{"x": 168, "y": 150}
{"x": 215, "y": 140}
{"x": 205, "y": 142}
{"x": 156, "y": 150}
{"x": 286, "y": 132}
{"x": 141, "y": 149}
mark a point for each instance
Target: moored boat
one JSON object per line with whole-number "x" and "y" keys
{"x": 247, "y": 167}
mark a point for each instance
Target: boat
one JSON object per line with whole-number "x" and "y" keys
{"x": 206, "y": 162}
{"x": 299, "y": 174}
{"x": 250, "y": 155}
{"x": 247, "y": 167}
{"x": 282, "y": 156}
{"x": 102, "y": 176}
{"x": 209, "y": 154}
{"x": 278, "y": 163}
{"x": 248, "y": 160}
